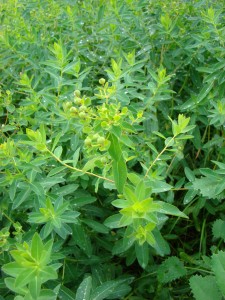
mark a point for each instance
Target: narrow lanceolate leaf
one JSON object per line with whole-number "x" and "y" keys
{"x": 84, "y": 289}
{"x": 105, "y": 290}
{"x": 140, "y": 190}
{"x": 22, "y": 196}
{"x": 66, "y": 294}
{"x": 25, "y": 277}
{"x": 119, "y": 169}
{"x": 205, "y": 91}
{"x": 35, "y": 287}
{"x": 114, "y": 149}
{"x": 48, "y": 273}
{"x": 58, "y": 151}
{"x": 142, "y": 254}
{"x": 76, "y": 157}
{"x": 36, "y": 247}
{"x": 170, "y": 209}
{"x": 57, "y": 138}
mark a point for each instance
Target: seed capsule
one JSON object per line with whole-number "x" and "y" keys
{"x": 102, "y": 81}
{"x": 77, "y": 93}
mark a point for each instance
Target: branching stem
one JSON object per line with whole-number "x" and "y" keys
{"x": 76, "y": 169}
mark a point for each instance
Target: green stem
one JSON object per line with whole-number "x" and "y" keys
{"x": 158, "y": 156}
{"x": 76, "y": 169}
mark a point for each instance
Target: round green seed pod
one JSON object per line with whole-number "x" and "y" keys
{"x": 102, "y": 81}
{"x": 117, "y": 118}
{"x": 87, "y": 142}
{"x": 77, "y": 93}
{"x": 124, "y": 110}
{"x": 101, "y": 140}
{"x": 104, "y": 160}
{"x": 82, "y": 115}
{"x": 83, "y": 108}
{"x": 77, "y": 101}
{"x": 73, "y": 109}
{"x": 96, "y": 136}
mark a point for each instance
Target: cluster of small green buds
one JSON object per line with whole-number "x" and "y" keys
{"x": 111, "y": 114}
{"x": 67, "y": 105}
{"x": 4, "y": 235}
{"x": 96, "y": 141}
{"x": 79, "y": 107}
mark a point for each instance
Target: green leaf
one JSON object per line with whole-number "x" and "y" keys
{"x": 114, "y": 149}
{"x": 189, "y": 174}
{"x": 218, "y": 266}
{"x": 134, "y": 178}
{"x": 140, "y": 191}
{"x": 204, "y": 288}
{"x": 171, "y": 269}
{"x": 122, "y": 245}
{"x": 205, "y": 91}
{"x": 67, "y": 189}
{"x": 113, "y": 221}
{"x": 66, "y": 294}
{"x": 119, "y": 203}
{"x": 76, "y": 157}
{"x": 25, "y": 277}
{"x": 55, "y": 171}
{"x": 119, "y": 170}
{"x": 104, "y": 290}
{"x": 21, "y": 197}
{"x": 56, "y": 140}
{"x": 142, "y": 254}
{"x": 159, "y": 186}
{"x": 129, "y": 194}
{"x": 10, "y": 283}
{"x": 58, "y": 151}
{"x": 83, "y": 200}
{"x": 121, "y": 291}
{"x": 219, "y": 229}
{"x": 47, "y": 295}
{"x": 35, "y": 287}
{"x": 210, "y": 187}
{"x": 84, "y": 289}
{"x": 48, "y": 273}
{"x": 161, "y": 246}
{"x": 43, "y": 133}
{"x": 36, "y": 247}
{"x": 35, "y": 136}
{"x": 127, "y": 141}
{"x": 189, "y": 196}
{"x": 48, "y": 182}
{"x": 170, "y": 209}
{"x": 96, "y": 226}
{"x": 82, "y": 239}
{"x": 12, "y": 268}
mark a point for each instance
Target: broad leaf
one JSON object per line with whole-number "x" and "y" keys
{"x": 205, "y": 288}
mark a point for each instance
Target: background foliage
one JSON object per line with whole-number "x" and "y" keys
{"x": 112, "y": 150}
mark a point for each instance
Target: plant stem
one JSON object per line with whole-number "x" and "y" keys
{"x": 76, "y": 169}
{"x": 158, "y": 156}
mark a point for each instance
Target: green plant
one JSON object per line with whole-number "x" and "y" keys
{"x": 31, "y": 269}
{"x": 112, "y": 150}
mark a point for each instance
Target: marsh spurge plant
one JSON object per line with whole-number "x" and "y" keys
{"x": 31, "y": 269}
{"x": 140, "y": 216}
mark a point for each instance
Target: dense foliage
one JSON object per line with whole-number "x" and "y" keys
{"x": 112, "y": 172}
